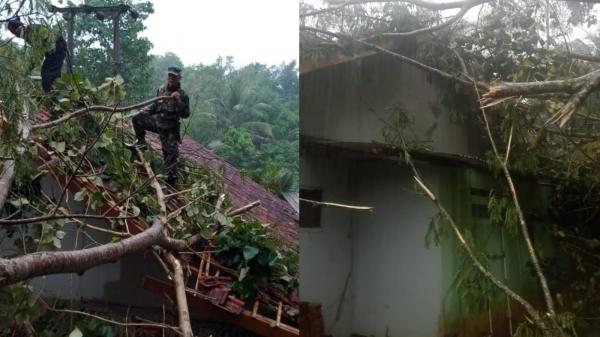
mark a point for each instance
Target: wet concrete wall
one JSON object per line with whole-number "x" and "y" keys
{"x": 349, "y": 102}
{"x": 325, "y": 252}
{"x": 119, "y": 282}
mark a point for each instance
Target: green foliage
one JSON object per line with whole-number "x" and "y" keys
{"x": 274, "y": 178}
{"x": 239, "y": 149}
{"x": 475, "y": 289}
{"x": 249, "y": 116}
{"x": 21, "y": 314}
{"x": 271, "y": 113}
{"x": 18, "y": 307}
{"x": 93, "y": 49}
{"x": 247, "y": 246}
{"x": 502, "y": 212}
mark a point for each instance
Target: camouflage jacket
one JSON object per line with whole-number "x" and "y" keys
{"x": 167, "y": 109}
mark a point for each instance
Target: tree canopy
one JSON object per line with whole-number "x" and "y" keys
{"x": 81, "y": 150}
{"x": 528, "y": 74}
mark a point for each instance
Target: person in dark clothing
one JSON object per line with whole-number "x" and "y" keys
{"x": 36, "y": 36}
{"x": 162, "y": 117}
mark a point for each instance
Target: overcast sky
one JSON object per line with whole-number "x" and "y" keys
{"x": 199, "y": 31}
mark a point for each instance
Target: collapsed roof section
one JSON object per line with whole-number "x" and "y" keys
{"x": 207, "y": 285}
{"x": 243, "y": 190}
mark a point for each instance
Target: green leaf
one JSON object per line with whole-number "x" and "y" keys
{"x": 56, "y": 242}
{"x": 222, "y": 219}
{"x": 243, "y": 273}
{"x": 80, "y": 196}
{"x": 58, "y": 146}
{"x": 206, "y": 233}
{"x": 250, "y": 252}
{"x": 19, "y": 202}
{"x": 60, "y": 234}
{"x": 76, "y": 333}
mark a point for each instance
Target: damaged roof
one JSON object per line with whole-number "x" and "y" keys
{"x": 242, "y": 190}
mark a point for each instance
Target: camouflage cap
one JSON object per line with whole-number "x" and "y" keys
{"x": 174, "y": 70}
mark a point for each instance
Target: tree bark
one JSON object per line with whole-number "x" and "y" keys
{"x": 89, "y": 109}
{"x": 180, "y": 296}
{"x": 45, "y": 263}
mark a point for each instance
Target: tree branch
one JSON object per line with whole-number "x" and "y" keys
{"x": 178, "y": 280}
{"x": 87, "y": 150}
{"x": 45, "y": 263}
{"x": 568, "y": 86}
{"x": 57, "y": 217}
{"x": 520, "y": 214}
{"x": 77, "y": 312}
{"x": 244, "y": 209}
{"x": 396, "y": 55}
{"x": 434, "y": 6}
{"x": 464, "y": 9}
{"x": 566, "y": 112}
{"x": 590, "y": 58}
{"x": 180, "y": 296}
{"x": 332, "y": 204}
{"x": 103, "y": 108}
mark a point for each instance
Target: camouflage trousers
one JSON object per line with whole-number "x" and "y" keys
{"x": 168, "y": 132}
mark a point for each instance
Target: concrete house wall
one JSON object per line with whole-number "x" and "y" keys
{"x": 347, "y": 103}
{"x": 397, "y": 280}
{"x": 326, "y": 252}
{"x": 371, "y": 271}
{"x": 119, "y": 282}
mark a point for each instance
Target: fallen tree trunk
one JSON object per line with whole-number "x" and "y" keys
{"x": 46, "y": 263}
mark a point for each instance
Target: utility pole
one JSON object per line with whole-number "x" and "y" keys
{"x": 101, "y": 12}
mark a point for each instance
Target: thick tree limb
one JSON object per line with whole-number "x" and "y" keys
{"x": 180, "y": 245}
{"x": 83, "y": 111}
{"x": 568, "y": 86}
{"x": 45, "y": 263}
{"x": 566, "y": 112}
{"x": 180, "y": 296}
{"x": 590, "y": 58}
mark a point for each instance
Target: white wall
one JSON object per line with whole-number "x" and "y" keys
{"x": 345, "y": 103}
{"x": 395, "y": 284}
{"x": 397, "y": 280}
{"x": 119, "y": 282}
{"x": 325, "y": 253}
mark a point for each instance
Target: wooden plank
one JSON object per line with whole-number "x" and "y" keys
{"x": 259, "y": 324}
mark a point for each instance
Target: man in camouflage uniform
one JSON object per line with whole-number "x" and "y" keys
{"x": 162, "y": 117}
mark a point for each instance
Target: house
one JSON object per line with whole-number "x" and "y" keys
{"x": 136, "y": 283}
{"x": 372, "y": 272}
